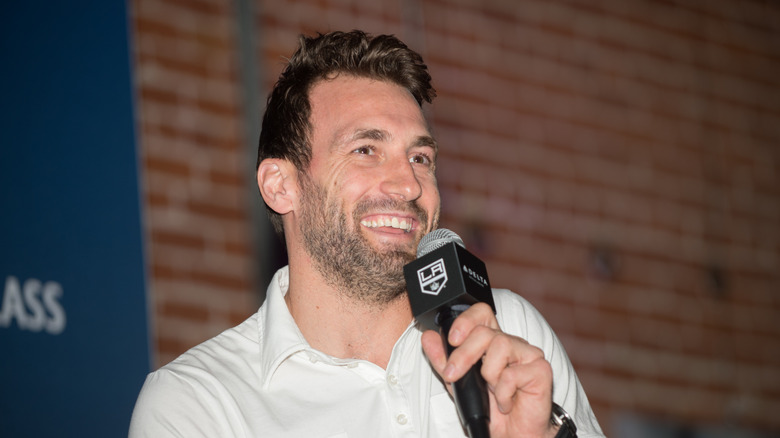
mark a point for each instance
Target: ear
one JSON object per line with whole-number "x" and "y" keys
{"x": 276, "y": 179}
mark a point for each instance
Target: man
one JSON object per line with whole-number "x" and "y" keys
{"x": 346, "y": 167}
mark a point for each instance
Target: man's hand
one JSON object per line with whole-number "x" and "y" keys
{"x": 519, "y": 378}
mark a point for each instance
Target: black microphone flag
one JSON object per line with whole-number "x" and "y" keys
{"x": 445, "y": 274}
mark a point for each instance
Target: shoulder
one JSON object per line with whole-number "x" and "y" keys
{"x": 230, "y": 350}
{"x": 519, "y": 317}
{"x": 195, "y": 389}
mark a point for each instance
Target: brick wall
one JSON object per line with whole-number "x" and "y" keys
{"x": 614, "y": 162}
{"x": 196, "y": 218}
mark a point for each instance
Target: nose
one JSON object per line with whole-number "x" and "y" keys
{"x": 400, "y": 181}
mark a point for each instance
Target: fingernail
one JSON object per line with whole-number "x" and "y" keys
{"x": 454, "y": 336}
{"x": 449, "y": 371}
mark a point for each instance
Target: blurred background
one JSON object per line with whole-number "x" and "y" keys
{"x": 615, "y": 162}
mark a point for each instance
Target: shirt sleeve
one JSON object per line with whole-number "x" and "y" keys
{"x": 518, "y": 317}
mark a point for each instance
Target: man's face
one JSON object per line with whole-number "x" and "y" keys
{"x": 370, "y": 193}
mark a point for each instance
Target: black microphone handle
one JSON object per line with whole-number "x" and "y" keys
{"x": 470, "y": 391}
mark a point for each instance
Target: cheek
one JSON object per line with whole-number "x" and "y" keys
{"x": 353, "y": 187}
{"x": 431, "y": 192}
{"x": 431, "y": 203}
{"x": 338, "y": 183}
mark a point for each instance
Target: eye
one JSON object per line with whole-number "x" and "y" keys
{"x": 364, "y": 150}
{"x": 421, "y": 159}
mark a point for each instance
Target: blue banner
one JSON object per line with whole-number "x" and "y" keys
{"x": 74, "y": 344}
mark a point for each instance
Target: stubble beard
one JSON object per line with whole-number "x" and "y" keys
{"x": 345, "y": 258}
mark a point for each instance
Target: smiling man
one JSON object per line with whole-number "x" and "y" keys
{"x": 346, "y": 167}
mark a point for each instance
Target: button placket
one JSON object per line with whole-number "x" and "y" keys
{"x": 398, "y": 402}
{"x": 401, "y": 404}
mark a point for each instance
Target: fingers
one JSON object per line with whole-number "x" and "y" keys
{"x": 471, "y": 332}
{"x": 506, "y": 351}
{"x": 434, "y": 349}
{"x": 479, "y": 314}
{"x": 497, "y": 350}
{"x": 522, "y": 383}
{"x": 470, "y": 350}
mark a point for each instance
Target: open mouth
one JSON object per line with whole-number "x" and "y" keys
{"x": 404, "y": 224}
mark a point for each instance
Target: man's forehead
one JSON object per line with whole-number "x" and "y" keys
{"x": 347, "y": 109}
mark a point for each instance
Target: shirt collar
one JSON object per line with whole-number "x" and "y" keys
{"x": 279, "y": 336}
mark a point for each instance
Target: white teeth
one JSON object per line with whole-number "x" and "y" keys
{"x": 388, "y": 222}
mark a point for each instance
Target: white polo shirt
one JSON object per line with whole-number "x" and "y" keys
{"x": 261, "y": 378}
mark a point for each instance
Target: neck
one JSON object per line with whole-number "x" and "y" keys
{"x": 343, "y": 327}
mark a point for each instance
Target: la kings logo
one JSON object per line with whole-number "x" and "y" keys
{"x": 432, "y": 277}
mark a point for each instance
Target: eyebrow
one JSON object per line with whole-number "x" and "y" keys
{"x": 427, "y": 141}
{"x": 369, "y": 134}
{"x": 382, "y": 135}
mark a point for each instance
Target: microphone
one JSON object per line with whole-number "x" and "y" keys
{"x": 442, "y": 282}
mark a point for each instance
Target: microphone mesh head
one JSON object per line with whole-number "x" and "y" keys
{"x": 436, "y": 239}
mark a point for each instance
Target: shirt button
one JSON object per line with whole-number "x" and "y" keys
{"x": 392, "y": 380}
{"x": 401, "y": 419}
